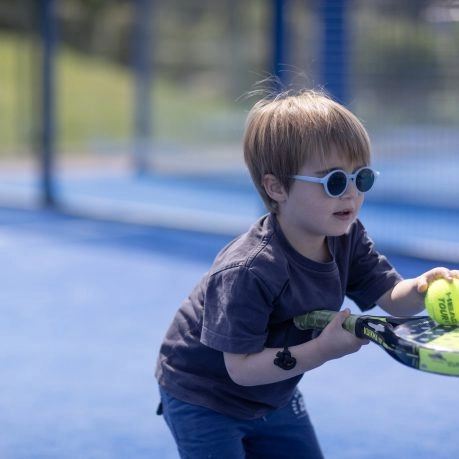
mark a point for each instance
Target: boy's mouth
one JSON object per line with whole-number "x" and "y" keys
{"x": 344, "y": 213}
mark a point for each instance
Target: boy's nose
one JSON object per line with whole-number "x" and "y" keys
{"x": 351, "y": 190}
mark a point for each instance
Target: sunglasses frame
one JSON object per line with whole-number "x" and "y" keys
{"x": 349, "y": 177}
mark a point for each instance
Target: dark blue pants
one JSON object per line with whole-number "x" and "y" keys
{"x": 203, "y": 433}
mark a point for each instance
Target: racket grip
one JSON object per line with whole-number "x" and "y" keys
{"x": 320, "y": 319}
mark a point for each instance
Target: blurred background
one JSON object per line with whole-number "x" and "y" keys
{"x": 142, "y": 88}
{"x": 121, "y": 176}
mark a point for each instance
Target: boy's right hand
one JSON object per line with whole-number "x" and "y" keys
{"x": 335, "y": 342}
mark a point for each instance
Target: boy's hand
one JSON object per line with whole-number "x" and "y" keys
{"x": 424, "y": 280}
{"x": 335, "y": 342}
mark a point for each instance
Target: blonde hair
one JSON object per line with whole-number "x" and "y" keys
{"x": 282, "y": 133}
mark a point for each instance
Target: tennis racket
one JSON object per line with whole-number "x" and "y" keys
{"x": 417, "y": 342}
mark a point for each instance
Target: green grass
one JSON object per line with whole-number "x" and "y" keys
{"x": 95, "y": 103}
{"x": 15, "y": 89}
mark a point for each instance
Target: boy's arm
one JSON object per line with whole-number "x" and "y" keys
{"x": 407, "y": 297}
{"x": 259, "y": 368}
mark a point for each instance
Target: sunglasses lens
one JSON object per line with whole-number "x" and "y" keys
{"x": 365, "y": 180}
{"x": 337, "y": 183}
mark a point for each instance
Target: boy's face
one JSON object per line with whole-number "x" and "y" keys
{"x": 307, "y": 210}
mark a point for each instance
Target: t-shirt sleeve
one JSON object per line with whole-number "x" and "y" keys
{"x": 370, "y": 274}
{"x": 237, "y": 307}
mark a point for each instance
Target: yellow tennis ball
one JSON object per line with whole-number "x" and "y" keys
{"x": 442, "y": 301}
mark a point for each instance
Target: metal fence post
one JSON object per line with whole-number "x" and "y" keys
{"x": 335, "y": 48}
{"x": 47, "y": 134}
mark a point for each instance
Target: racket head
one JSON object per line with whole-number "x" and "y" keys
{"x": 436, "y": 345}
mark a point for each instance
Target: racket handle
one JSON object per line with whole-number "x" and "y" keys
{"x": 320, "y": 319}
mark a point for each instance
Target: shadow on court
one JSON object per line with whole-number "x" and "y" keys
{"x": 84, "y": 306}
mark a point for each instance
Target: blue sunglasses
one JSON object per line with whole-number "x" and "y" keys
{"x": 336, "y": 182}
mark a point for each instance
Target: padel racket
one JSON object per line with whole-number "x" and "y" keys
{"x": 417, "y": 342}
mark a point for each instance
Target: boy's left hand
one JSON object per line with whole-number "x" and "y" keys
{"x": 424, "y": 280}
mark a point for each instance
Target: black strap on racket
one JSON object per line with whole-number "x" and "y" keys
{"x": 285, "y": 360}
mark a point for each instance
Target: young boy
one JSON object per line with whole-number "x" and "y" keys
{"x": 230, "y": 363}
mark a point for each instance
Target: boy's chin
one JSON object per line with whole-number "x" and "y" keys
{"x": 341, "y": 231}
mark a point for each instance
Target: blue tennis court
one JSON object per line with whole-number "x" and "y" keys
{"x": 84, "y": 306}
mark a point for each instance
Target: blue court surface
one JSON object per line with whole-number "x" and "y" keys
{"x": 84, "y": 306}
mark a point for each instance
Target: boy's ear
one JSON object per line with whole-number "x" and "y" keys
{"x": 274, "y": 188}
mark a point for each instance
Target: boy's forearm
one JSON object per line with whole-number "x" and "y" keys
{"x": 403, "y": 300}
{"x": 257, "y": 369}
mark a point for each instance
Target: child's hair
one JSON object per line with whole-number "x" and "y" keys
{"x": 284, "y": 132}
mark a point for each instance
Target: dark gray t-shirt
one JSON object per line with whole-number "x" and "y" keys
{"x": 246, "y": 302}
